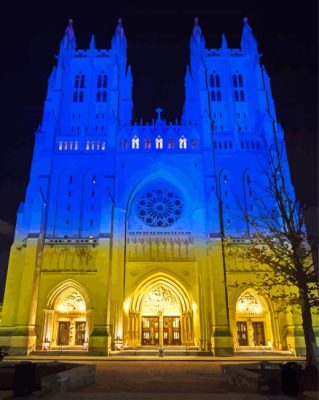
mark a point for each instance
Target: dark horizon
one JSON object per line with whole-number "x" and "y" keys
{"x": 158, "y": 51}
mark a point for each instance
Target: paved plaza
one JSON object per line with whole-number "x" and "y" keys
{"x": 160, "y": 379}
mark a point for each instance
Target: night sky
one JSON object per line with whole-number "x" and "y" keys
{"x": 158, "y": 34}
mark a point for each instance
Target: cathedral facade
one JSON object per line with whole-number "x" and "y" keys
{"x": 128, "y": 234}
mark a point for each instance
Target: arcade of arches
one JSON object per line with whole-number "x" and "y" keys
{"x": 159, "y": 313}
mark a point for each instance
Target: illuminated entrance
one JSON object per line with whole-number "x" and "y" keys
{"x": 253, "y": 325}
{"x": 160, "y": 314}
{"x": 66, "y": 324}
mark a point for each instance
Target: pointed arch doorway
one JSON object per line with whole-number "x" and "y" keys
{"x": 253, "y": 322}
{"x": 160, "y": 314}
{"x": 161, "y": 318}
{"x": 66, "y": 319}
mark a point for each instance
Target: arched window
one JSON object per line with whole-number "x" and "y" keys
{"x": 159, "y": 142}
{"x": 123, "y": 144}
{"x": 135, "y": 143}
{"x": 99, "y": 81}
{"x": 147, "y": 143}
{"x": 101, "y": 84}
{"x": 182, "y": 142}
{"x": 215, "y": 83}
{"x": 171, "y": 143}
{"x": 82, "y": 81}
{"x": 238, "y": 82}
{"x": 79, "y": 83}
{"x": 235, "y": 83}
{"x": 104, "y": 81}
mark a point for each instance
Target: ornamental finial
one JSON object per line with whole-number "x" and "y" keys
{"x": 119, "y": 29}
{"x": 68, "y": 40}
{"x": 197, "y": 32}
{"x": 158, "y": 111}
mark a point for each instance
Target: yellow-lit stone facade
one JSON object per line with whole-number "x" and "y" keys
{"x": 128, "y": 233}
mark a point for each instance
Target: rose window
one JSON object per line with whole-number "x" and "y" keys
{"x": 159, "y": 207}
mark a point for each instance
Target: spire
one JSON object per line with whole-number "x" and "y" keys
{"x": 92, "y": 43}
{"x": 197, "y": 32}
{"x": 197, "y": 38}
{"x": 119, "y": 39}
{"x": 248, "y": 42}
{"x": 224, "y": 45}
{"x": 68, "y": 41}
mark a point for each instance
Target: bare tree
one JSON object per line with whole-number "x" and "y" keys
{"x": 279, "y": 240}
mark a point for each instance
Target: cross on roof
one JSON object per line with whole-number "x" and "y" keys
{"x": 158, "y": 112}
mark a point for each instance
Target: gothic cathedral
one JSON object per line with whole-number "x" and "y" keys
{"x": 127, "y": 237}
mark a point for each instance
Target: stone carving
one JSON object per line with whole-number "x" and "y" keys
{"x": 160, "y": 299}
{"x": 160, "y": 248}
{"x": 73, "y": 303}
{"x": 68, "y": 258}
{"x": 248, "y": 304}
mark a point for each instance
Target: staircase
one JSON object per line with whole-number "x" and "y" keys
{"x": 155, "y": 351}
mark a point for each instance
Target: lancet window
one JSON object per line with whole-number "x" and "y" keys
{"x": 79, "y": 83}
{"x": 171, "y": 143}
{"x": 182, "y": 142}
{"x": 101, "y": 88}
{"x": 215, "y": 93}
{"x": 238, "y": 84}
{"x": 135, "y": 143}
{"x": 147, "y": 143}
{"x": 123, "y": 144}
{"x": 159, "y": 142}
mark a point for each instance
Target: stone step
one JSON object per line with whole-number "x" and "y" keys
{"x": 156, "y": 353}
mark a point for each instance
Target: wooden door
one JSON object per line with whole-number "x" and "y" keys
{"x": 64, "y": 333}
{"x": 258, "y": 334}
{"x": 171, "y": 331}
{"x": 242, "y": 335}
{"x": 150, "y": 331}
{"x": 79, "y": 333}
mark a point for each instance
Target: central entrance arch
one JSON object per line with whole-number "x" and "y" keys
{"x": 161, "y": 317}
{"x": 160, "y": 313}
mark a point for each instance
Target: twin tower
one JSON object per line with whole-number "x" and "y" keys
{"x": 130, "y": 233}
